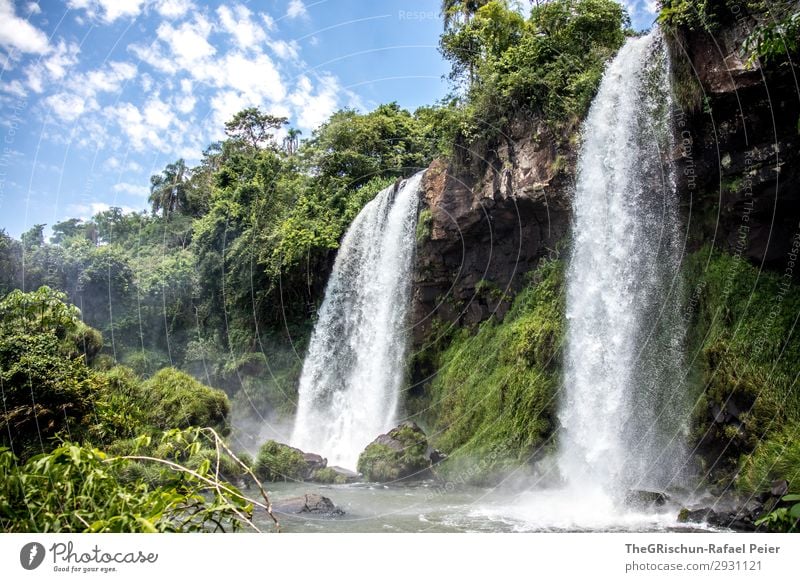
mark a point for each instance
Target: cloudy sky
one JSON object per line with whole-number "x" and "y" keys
{"x": 97, "y": 95}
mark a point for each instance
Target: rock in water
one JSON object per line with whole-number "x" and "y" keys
{"x": 335, "y": 475}
{"x": 314, "y": 463}
{"x": 645, "y": 499}
{"x": 279, "y": 462}
{"x": 308, "y": 503}
{"x": 742, "y": 519}
{"x": 399, "y": 454}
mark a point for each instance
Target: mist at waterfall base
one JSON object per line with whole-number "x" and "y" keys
{"x": 353, "y": 373}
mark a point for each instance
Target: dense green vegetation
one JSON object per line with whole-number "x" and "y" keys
{"x": 744, "y": 332}
{"x": 59, "y": 412}
{"x": 547, "y": 65}
{"x": 492, "y": 403}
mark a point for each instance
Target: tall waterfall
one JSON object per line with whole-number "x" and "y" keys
{"x": 354, "y": 368}
{"x": 623, "y": 410}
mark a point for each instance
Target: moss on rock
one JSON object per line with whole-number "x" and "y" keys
{"x": 399, "y": 454}
{"x": 278, "y": 462}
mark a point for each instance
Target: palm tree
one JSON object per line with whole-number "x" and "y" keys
{"x": 292, "y": 141}
{"x": 459, "y": 12}
{"x": 168, "y": 189}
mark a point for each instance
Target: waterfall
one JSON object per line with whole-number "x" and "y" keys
{"x": 354, "y": 368}
{"x": 623, "y": 409}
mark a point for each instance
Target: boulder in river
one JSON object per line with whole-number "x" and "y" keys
{"x": 335, "y": 475}
{"x": 741, "y": 519}
{"x": 314, "y": 463}
{"x": 399, "y": 454}
{"x": 279, "y": 462}
{"x": 645, "y": 498}
{"x": 308, "y": 503}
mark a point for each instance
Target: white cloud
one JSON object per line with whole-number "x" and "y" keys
{"x": 189, "y": 41}
{"x": 152, "y": 55}
{"x": 14, "y": 88}
{"x": 114, "y": 164}
{"x": 131, "y": 121}
{"x": 154, "y": 126}
{"x": 108, "y": 10}
{"x": 61, "y": 59}
{"x": 18, "y": 34}
{"x": 79, "y": 94}
{"x": 132, "y": 189}
{"x": 284, "y": 50}
{"x": 53, "y": 67}
{"x": 186, "y": 103}
{"x": 87, "y": 211}
{"x": 157, "y": 114}
{"x": 69, "y": 106}
{"x": 652, "y": 6}
{"x": 224, "y": 106}
{"x": 174, "y": 8}
{"x": 255, "y": 77}
{"x": 146, "y": 82}
{"x": 269, "y": 22}
{"x": 296, "y": 9}
{"x": 33, "y": 8}
{"x": 239, "y": 24}
{"x": 313, "y": 106}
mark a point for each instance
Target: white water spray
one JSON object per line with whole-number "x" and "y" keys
{"x": 623, "y": 412}
{"x": 354, "y": 369}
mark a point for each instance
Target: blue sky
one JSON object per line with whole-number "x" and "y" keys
{"x": 97, "y": 95}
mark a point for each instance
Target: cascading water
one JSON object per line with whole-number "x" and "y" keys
{"x": 623, "y": 408}
{"x": 624, "y": 405}
{"x": 354, "y": 368}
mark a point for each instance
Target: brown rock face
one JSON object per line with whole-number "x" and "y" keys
{"x": 739, "y": 156}
{"x": 494, "y": 214}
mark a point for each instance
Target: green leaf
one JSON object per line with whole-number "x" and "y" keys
{"x": 794, "y": 512}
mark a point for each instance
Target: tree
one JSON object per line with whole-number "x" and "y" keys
{"x": 352, "y": 148}
{"x": 10, "y": 262}
{"x": 292, "y": 141}
{"x": 114, "y": 226}
{"x": 168, "y": 189}
{"x": 457, "y": 13}
{"x": 253, "y": 128}
{"x": 47, "y": 386}
{"x": 456, "y": 44}
{"x": 34, "y": 237}
{"x": 66, "y": 229}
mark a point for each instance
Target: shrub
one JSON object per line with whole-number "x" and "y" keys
{"x": 176, "y": 400}
{"x": 76, "y": 489}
